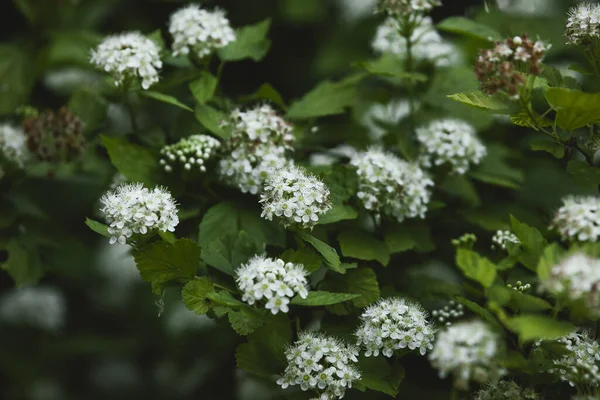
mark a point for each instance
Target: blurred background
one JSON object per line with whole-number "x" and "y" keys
{"x": 91, "y": 329}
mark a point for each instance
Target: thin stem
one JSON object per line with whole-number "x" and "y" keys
{"x": 597, "y": 332}
{"x": 220, "y": 71}
{"x": 131, "y": 109}
{"x": 223, "y": 287}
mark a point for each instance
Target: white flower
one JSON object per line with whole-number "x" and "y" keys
{"x": 13, "y": 145}
{"x": 450, "y": 142}
{"x": 271, "y": 279}
{"x": 528, "y": 7}
{"x": 583, "y": 23}
{"x": 390, "y": 113}
{"x": 394, "y": 324}
{"x": 391, "y": 186}
{"x": 117, "y": 180}
{"x": 577, "y": 278}
{"x": 194, "y": 151}
{"x": 427, "y": 44}
{"x": 322, "y": 364}
{"x": 581, "y": 365}
{"x": 404, "y": 8}
{"x": 134, "y": 209}
{"x": 198, "y": 31}
{"x": 505, "y": 390}
{"x": 578, "y": 219}
{"x": 468, "y": 351}
{"x": 129, "y": 56}
{"x": 501, "y": 237}
{"x": 39, "y": 307}
{"x": 294, "y": 196}
{"x": 258, "y": 144}
{"x": 352, "y": 10}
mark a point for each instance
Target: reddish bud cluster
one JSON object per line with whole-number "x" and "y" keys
{"x": 55, "y": 136}
{"x": 503, "y": 67}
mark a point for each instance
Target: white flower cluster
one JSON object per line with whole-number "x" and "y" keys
{"x": 391, "y": 186}
{"x": 38, "y": 307}
{"x": 451, "y": 142}
{"x": 294, "y": 196}
{"x": 501, "y": 237}
{"x": 258, "y": 143}
{"x": 272, "y": 279}
{"x": 427, "y": 44}
{"x": 128, "y": 56}
{"x": 506, "y": 390}
{"x": 583, "y": 23}
{"x": 449, "y": 312}
{"x": 134, "y": 209}
{"x": 321, "y": 363}
{"x": 578, "y": 219}
{"x": 577, "y": 277}
{"x": 394, "y": 324}
{"x": 467, "y": 350}
{"x": 404, "y": 8}
{"x": 13, "y": 145}
{"x": 390, "y": 113}
{"x": 198, "y": 31}
{"x": 195, "y": 150}
{"x": 581, "y": 365}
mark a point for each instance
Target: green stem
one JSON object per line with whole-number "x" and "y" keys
{"x": 220, "y": 71}
{"x": 224, "y": 288}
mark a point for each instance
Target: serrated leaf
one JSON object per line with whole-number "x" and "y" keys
{"x": 305, "y": 256}
{"x": 98, "y": 227}
{"x": 251, "y": 42}
{"x": 203, "y": 88}
{"x": 90, "y": 107}
{"x": 228, "y": 251}
{"x": 496, "y": 170}
{"x": 574, "y": 108}
{"x": 329, "y": 254}
{"x": 532, "y": 243}
{"x": 549, "y": 258}
{"x": 409, "y": 235}
{"x": 388, "y": 65}
{"x": 476, "y": 267}
{"x": 378, "y": 375}
{"x": 23, "y": 264}
{"x": 265, "y": 92}
{"x": 339, "y": 212}
{"x": 165, "y": 98}
{"x": 522, "y": 118}
{"x": 468, "y": 27}
{"x": 246, "y": 320}
{"x": 322, "y": 298}
{"x": 136, "y": 163}
{"x": 482, "y": 101}
{"x": 194, "y": 295}
{"x": 225, "y": 299}
{"x": 168, "y": 237}
{"x": 584, "y": 173}
{"x": 548, "y": 145}
{"x": 479, "y": 310}
{"x": 161, "y": 262}
{"x": 361, "y": 281}
{"x": 532, "y": 327}
{"x": 211, "y": 119}
{"x": 360, "y": 245}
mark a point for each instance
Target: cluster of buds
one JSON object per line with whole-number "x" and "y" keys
{"x": 506, "y": 390}
{"x": 503, "y": 68}
{"x": 501, "y": 238}
{"x": 466, "y": 241}
{"x": 448, "y": 313}
{"x": 519, "y": 286}
{"x": 55, "y": 136}
{"x": 195, "y": 150}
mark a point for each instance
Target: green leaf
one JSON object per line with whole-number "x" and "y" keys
{"x": 98, "y": 227}
{"x": 328, "y": 98}
{"x": 135, "y": 162}
{"x": 479, "y": 310}
{"x": 338, "y": 212}
{"x": 329, "y": 254}
{"x": 246, "y": 320}
{"x": 532, "y": 243}
{"x": 265, "y": 92}
{"x": 251, "y": 42}
{"x": 23, "y": 264}
{"x": 17, "y": 76}
{"x": 161, "y": 262}
{"x": 549, "y": 258}
{"x": 305, "y": 256}
{"x": 211, "y": 119}
{"x": 476, "y": 267}
{"x": 532, "y": 327}
{"x": 460, "y": 187}
{"x": 90, "y": 107}
{"x": 360, "y": 245}
{"x": 574, "y": 108}
{"x": 203, "y": 88}
{"x": 377, "y": 374}
{"x": 542, "y": 143}
{"x": 225, "y": 299}
{"x": 410, "y": 235}
{"x": 467, "y": 27}
{"x": 584, "y": 173}
{"x": 168, "y": 237}
{"x": 389, "y": 65}
{"x": 165, "y": 98}
{"x": 523, "y": 118}
{"x": 496, "y": 170}
{"x": 361, "y": 281}
{"x": 227, "y": 252}
{"x": 482, "y": 101}
{"x": 194, "y": 295}
{"x": 321, "y": 298}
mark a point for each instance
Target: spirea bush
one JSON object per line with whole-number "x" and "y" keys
{"x": 421, "y": 223}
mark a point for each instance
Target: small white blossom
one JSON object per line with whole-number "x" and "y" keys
{"x": 450, "y": 142}
{"x": 296, "y": 197}
{"x": 13, "y": 145}
{"x": 427, "y": 44}
{"x": 578, "y": 219}
{"x": 199, "y": 32}
{"x": 391, "y": 186}
{"x": 352, "y": 10}
{"x": 581, "y": 365}
{"x": 468, "y": 351}
{"x": 191, "y": 152}
{"x": 501, "y": 237}
{"x": 391, "y": 113}
{"x": 583, "y": 23}
{"x": 405, "y": 8}
{"x": 577, "y": 278}
{"x": 117, "y": 180}
{"x": 528, "y": 7}
{"x": 134, "y": 209}
{"x": 394, "y": 324}
{"x": 448, "y": 313}
{"x": 38, "y": 307}
{"x": 127, "y": 56}
{"x": 259, "y": 125}
{"x": 322, "y": 364}
{"x": 505, "y": 390}
{"x": 272, "y": 280}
